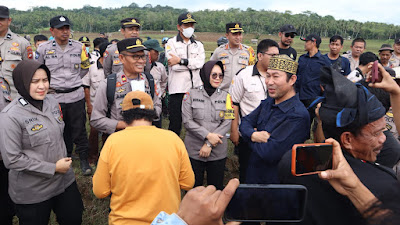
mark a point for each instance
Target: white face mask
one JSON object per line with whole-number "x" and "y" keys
{"x": 188, "y": 32}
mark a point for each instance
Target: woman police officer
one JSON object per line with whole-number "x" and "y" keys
{"x": 31, "y": 142}
{"x": 207, "y": 114}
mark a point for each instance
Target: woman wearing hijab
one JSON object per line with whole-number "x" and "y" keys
{"x": 207, "y": 113}
{"x": 31, "y": 143}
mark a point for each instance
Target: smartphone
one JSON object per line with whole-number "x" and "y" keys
{"x": 267, "y": 203}
{"x": 375, "y": 75}
{"x": 311, "y": 158}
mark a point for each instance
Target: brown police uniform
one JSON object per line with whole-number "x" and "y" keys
{"x": 99, "y": 120}
{"x": 13, "y": 49}
{"x": 233, "y": 61}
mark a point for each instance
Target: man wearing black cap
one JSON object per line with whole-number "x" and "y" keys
{"x": 385, "y": 53}
{"x": 307, "y": 84}
{"x": 234, "y": 55}
{"x": 108, "y": 118}
{"x": 13, "y": 49}
{"x": 354, "y": 117}
{"x": 68, "y": 62}
{"x": 286, "y": 34}
{"x": 185, "y": 58}
{"x": 130, "y": 28}
{"x": 395, "y": 59}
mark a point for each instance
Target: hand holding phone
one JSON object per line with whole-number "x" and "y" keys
{"x": 311, "y": 158}
{"x": 267, "y": 203}
{"x": 376, "y": 76}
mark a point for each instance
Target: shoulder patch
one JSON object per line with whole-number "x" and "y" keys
{"x": 186, "y": 96}
{"x": 29, "y": 52}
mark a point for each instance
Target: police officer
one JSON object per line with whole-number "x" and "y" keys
{"x": 130, "y": 28}
{"x": 13, "y": 49}
{"x": 7, "y": 208}
{"x": 234, "y": 55}
{"x": 68, "y": 61}
{"x": 207, "y": 114}
{"x": 157, "y": 70}
{"x": 185, "y": 58}
{"x": 131, "y": 77}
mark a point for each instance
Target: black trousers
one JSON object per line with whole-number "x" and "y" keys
{"x": 67, "y": 206}
{"x": 7, "y": 207}
{"x": 175, "y": 113}
{"x": 243, "y": 151}
{"x": 215, "y": 172}
{"x": 74, "y": 116}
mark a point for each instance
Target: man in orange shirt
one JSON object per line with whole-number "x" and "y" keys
{"x": 143, "y": 175}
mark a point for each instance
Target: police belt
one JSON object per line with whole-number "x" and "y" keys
{"x": 66, "y": 90}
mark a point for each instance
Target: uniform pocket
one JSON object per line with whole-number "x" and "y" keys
{"x": 38, "y": 134}
{"x": 75, "y": 64}
{"x": 220, "y": 110}
{"x": 11, "y": 61}
{"x": 198, "y": 110}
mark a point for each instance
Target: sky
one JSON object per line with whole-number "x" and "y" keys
{"x": 360, "y": 10}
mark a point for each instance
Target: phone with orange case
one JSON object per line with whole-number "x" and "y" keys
{"x": 311, "y": 158}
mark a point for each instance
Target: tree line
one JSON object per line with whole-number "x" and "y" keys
{"x": 98, "y": 19}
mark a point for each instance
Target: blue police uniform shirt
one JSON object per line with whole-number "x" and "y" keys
{"x": 287, "y": 122}
{"x": 308, "y": 73}
{"x": 345, "y": 70}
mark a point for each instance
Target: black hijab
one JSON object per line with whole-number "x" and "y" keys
{"x": 22, "y": 77}
{"x": 205, "y": 74}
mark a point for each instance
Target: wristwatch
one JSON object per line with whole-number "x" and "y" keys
{"x": 208, "y": 144}
{"x": 182, "y": 62}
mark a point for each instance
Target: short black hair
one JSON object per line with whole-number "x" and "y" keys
{"x": 265, "y": 44}
{"x": 380, "y": 94}
{"x": 138, "y": 114}
{"x": 359, "y": 40}
{"x": 331, "y": 131}
{"x": 335, "y": 38}
{"x": 39, "y": 37}
{"x": 116, "y": 40}
{"x": 98, "y": 41}
{"x": 367, "y": 57}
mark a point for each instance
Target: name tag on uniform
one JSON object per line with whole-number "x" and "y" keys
{"x": 138, "y": 85}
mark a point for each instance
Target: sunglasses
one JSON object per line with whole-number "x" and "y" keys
{"x": 289, "y": 35}
{"x": 219, "y": 75}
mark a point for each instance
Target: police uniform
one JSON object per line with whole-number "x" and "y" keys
{"x": 394, "y": 60}
{"x": 38, "y": 144}
{"x": 99, "y": 120}
{"x": 111, "y": 62}
{"x": 67, "y": 67}
{"x": 184, "y": 75}
{"x": 13, "y": 49}
{"x": 233, "y": 60}
{"x": 203, "y": 114}
{"x": 160, "y": 77}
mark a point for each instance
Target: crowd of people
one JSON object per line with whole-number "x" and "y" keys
{"x": 263, "y": 101}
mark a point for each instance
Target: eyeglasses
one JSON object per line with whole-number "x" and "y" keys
{"x": 136, "y": 57}
{"x": 289, "y": 35}
{"x": 270, "y": 54}
{"x": 219, "y": 75}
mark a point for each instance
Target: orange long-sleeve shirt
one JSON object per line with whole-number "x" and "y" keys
{"x": 144, "y": 168}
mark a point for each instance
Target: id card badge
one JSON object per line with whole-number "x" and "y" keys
{"x": 138, "y": 85}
